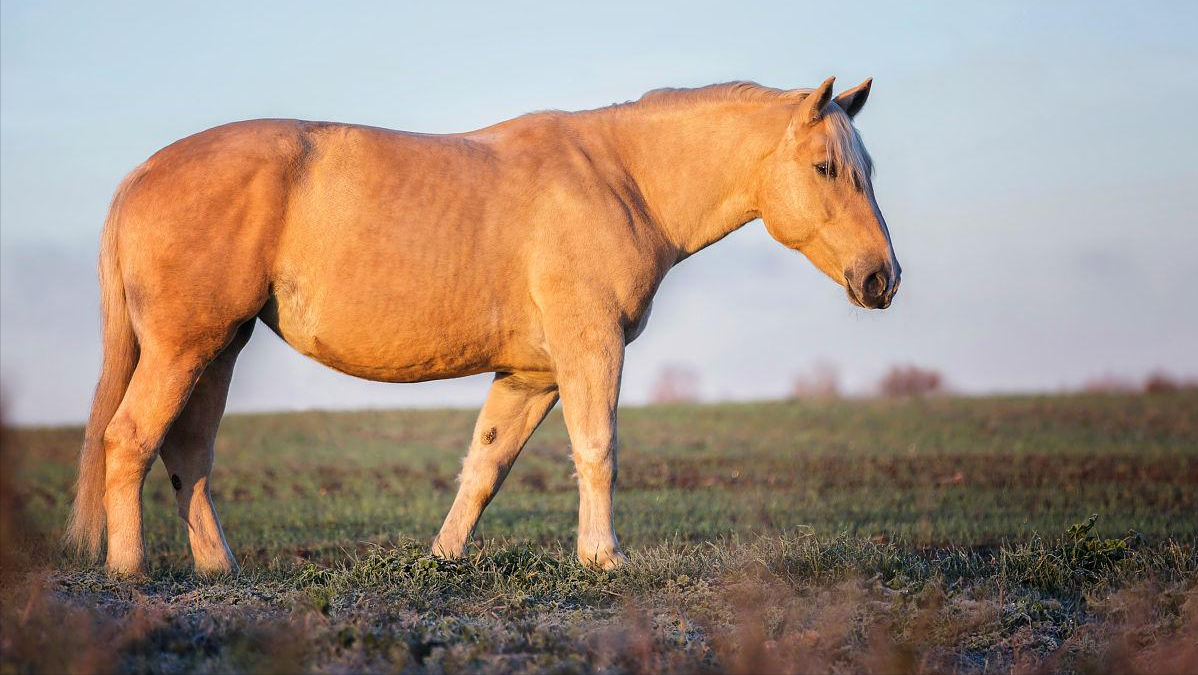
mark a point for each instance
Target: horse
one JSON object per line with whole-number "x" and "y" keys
{"x": 530, "y": 249}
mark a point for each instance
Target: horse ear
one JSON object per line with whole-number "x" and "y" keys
{"x": 812, "y": 107}
{"x": 853, "y": 100}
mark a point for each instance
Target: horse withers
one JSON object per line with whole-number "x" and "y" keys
{"x": 530, "y": 249}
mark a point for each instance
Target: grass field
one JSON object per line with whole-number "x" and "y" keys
{"x": 939, "y": 535}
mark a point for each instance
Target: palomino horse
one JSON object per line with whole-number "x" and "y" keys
{"x": 530, "y": 249}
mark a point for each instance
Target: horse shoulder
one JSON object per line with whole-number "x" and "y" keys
{"x": 594, "y": 262}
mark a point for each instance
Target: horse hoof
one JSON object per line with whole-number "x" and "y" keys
{"x": 126, "y": 572}
{"x": 604, "y": 560}
{"x": 446, "y": 551}
{"x": 217, "y": 569}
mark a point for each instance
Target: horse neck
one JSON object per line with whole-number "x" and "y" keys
{"x": 697, "y": 165}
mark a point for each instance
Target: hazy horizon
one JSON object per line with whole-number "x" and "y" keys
{"x": 1034, "y": 166}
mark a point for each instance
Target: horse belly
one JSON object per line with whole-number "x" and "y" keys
{"x": 393, "y": 339}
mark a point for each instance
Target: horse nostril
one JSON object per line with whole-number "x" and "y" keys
{"x": 875, "y": 284}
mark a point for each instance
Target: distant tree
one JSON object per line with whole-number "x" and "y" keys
{"x": 910, "y": 380}
{"x": 822, "y": 380}
{"x": 675, "y": 384}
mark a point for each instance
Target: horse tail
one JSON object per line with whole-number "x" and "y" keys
{"x": 86, "y": 524}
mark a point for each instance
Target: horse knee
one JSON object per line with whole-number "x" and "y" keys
{"x": 595, "y": 463}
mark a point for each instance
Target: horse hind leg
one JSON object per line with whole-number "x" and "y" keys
{"x": 157, "y": 393}
{"x": 515, "y": 407}
{"x": 188, "y": 453}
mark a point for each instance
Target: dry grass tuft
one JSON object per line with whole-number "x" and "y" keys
{"x": 17, "y": 538}
{"x": 47, "y": 633}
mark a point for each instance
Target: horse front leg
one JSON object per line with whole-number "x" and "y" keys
{"x": 515, "y": 407}
{"x": 589, "y": 370}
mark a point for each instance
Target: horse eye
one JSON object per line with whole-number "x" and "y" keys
{"x": 826, "y": 169}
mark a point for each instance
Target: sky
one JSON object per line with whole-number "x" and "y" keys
{"x": 1036, "y": 166}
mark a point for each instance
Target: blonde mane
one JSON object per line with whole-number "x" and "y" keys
{"x": 845, "y": 147}
{"x": 738, "y": 91}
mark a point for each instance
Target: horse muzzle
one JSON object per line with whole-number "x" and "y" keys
{"x": 872, "y": 285}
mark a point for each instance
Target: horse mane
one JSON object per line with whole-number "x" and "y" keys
{"x": 845, "y": 147}
{"x": 736, "y": 91}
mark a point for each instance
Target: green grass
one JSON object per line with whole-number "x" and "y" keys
{"x": 793, "y": 536}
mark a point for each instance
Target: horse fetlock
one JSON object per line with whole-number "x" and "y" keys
{"x": 209, "y": 551}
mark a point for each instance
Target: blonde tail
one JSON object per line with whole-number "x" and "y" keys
{"x": 86, "y": 524}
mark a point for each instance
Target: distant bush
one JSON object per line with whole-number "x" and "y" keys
{"x": 911, "y": 380}
{"x": 675, "y": 384}
{"x": 1110, "y": 384}
{"x": 822, "y": 380}
{"x": 1160, "y": 382}
{"x": 1157, "y": 382}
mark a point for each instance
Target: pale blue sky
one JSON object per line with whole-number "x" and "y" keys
{"x": 1035, "y": 164}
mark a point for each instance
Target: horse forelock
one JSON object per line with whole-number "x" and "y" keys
{"x": 846, "y": 148}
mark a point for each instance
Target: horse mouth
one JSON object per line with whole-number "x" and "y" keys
{"x": 855, "y": 298}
